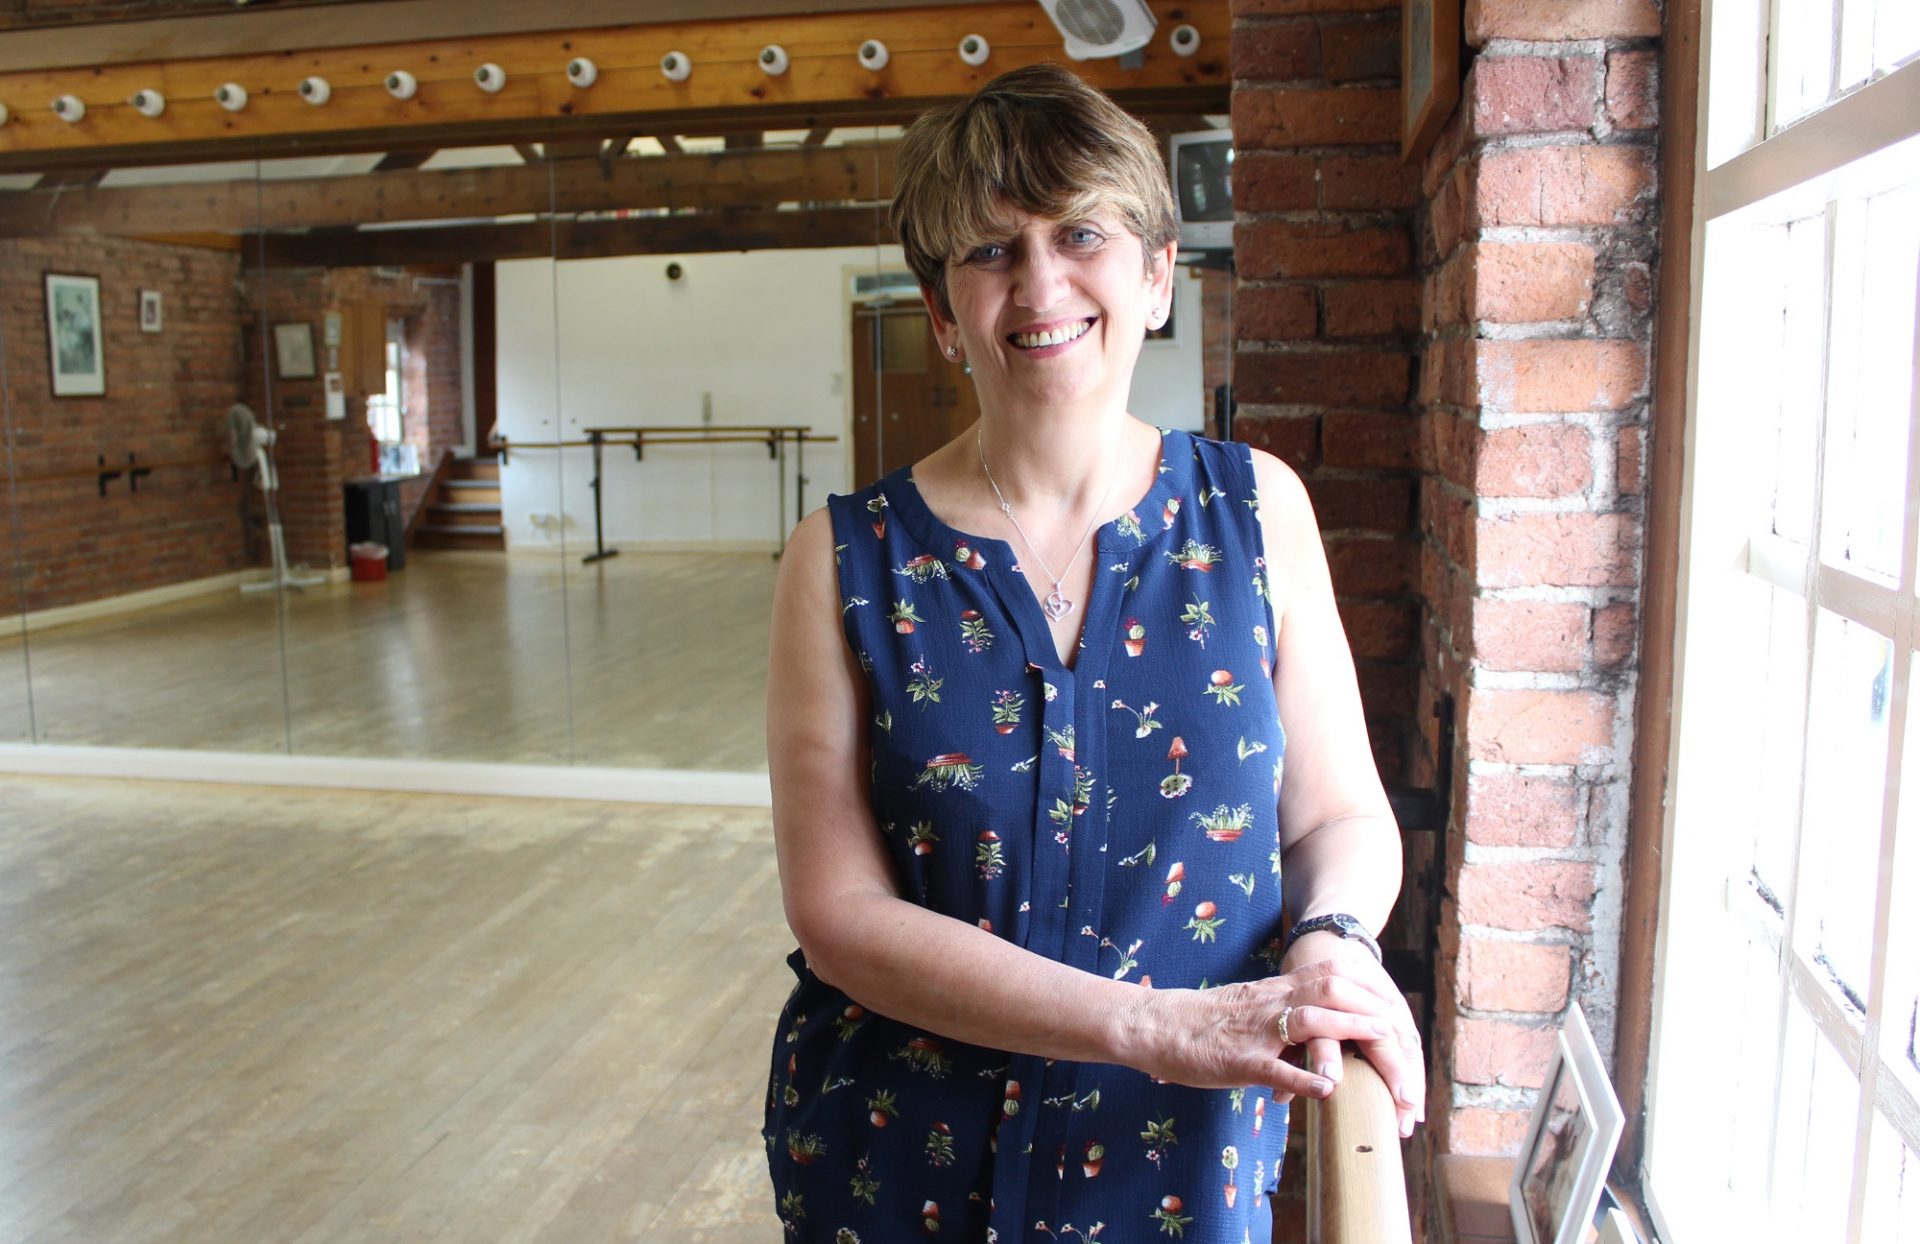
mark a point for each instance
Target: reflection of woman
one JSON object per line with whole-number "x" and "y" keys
{"x": 1025, "y": 739}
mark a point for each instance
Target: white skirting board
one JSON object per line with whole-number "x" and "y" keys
{"x": 444, "y": 777}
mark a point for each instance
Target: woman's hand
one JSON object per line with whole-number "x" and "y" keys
{"x": 1229, "y": 1036}
{"x": 1395, "y": 1054}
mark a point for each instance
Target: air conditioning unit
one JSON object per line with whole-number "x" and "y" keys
{"x": 1097, "y": 28}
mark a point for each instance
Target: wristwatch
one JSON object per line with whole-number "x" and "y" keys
{"x": 1340, "y": 924}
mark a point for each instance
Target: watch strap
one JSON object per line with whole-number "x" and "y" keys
{"x": 1340, "y": 924}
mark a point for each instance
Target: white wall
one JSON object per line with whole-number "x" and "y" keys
{"x": 767, "y": 334}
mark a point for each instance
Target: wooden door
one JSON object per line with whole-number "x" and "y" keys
{"x": 908, "y": 398}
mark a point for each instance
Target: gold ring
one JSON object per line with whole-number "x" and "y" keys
{"x": 1286, "y": 1039}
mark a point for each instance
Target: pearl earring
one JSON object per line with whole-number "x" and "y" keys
{"x": 953, "y": 352}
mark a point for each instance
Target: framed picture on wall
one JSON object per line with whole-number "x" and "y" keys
{"x": 293, "y": 351}
{"x": 76, "y": 349}
{"x": 1576, "y": 1123}
{"x": 1429, "y": 72}
{"x": 149, "y": 310}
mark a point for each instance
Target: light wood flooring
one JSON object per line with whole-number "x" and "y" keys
{"x": 645, "y": 660}
{"x": 326, "y": 1017}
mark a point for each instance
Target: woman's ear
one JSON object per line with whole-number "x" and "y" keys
{"x": 943, "y": 325}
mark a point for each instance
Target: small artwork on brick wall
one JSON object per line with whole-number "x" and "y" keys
{"x": 1430, "y": 71}
{"x": 149, "y": 310}
{"x": 76, "y": 350}
{"x": 1570, "y": 1141}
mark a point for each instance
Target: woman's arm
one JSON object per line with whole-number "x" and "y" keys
{"x": 1340, "y": 846}
{"x": 942, "y": 974}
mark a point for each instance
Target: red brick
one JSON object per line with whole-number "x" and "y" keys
{"x": 1385, "y": 689}
{"x": 1549, "y": 21}
{"x": 1383, "y": 505}
{"x": 1537, "y": 460}
{"x": 1372, "y": 308}
{"x": 1527, "y": 282}
{"x": 1268, "y": 249}
{"x": 1450, "y": 519}
{"x": 1452, "y": 217}
{"x": 1513, "y": 976}
{"x": 1268, "y": 181}
{"x": 1584, "y": 185}
{"x": 1531, "y": 94}
{"x": 1472, "y": 1130}
{"x": 1294, "y": 439}
{"x": 1627, "y": 469}
{"x": 1633, "y": 90}
{"x": 1560, "y": 550}
{"x": 1495, "y": 1052}
{"x": 1353, "y": 51}
{"x": 1389, "y": 442}
{"x": 1367, "y": 182}
{"x": 1299, "y": 118}
{"x": 1514, "y": 810}
{"x": 1525, "y": 897}
{"x": 1376, "y": 628}
{"x": 1539, "y": 727}
{"x": 1351, "y": 378}
{"x": 1559, "y": 375}
{"x": 1615, "y": 630}
{"x": 1275, "y": 313}
{"x": 1371, "y": 567}
{"x": 1275, "y": 51}
{"x": 1539, "y": 635}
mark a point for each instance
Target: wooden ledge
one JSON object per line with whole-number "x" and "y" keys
{"x": 1471, "y": 1193}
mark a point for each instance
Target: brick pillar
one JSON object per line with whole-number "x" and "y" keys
{"x": 1536, "y": 245}
{"x": 1326, "y": 307}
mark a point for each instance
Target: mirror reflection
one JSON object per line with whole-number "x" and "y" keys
{"x": 136, "y": 537}
{"x": 480, "y": 454}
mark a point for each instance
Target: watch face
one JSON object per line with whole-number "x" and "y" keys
{"x": 1347, "y": 925}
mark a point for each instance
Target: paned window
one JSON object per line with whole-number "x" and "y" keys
{"x": 1784, "y": 1094}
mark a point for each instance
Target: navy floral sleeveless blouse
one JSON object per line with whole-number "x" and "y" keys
{"x": 1118, "y": 816}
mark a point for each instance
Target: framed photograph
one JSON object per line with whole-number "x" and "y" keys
{"x": 76, "y": 348}
{"x": 293, "y": 351}
{"x": 1570, "y": 1141}
{"x": 1429, "y": 72}
{"x": 149, "y": 310}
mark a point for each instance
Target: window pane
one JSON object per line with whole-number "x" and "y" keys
{"x": 1803, "y": 59}
{"x": 1871, "y": 380}
{"x": 1797, "y": 374}
{"x": 1896, "y": 32}
{"x": 1893, "y": 1189}
{"x": 1819, "y": 1106}
{"x": 1901, "y": 1013}
{"x": 1780, "y": 716}
{"x": 1846, "y": 773}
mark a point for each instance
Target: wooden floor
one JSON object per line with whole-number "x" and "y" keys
{"x": 647, "y": 660}
{"x": 273, "y": 1015}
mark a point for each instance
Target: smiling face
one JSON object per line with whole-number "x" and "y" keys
{"x": 1051, "y": 313}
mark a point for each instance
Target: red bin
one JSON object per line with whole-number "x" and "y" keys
{"x": 369, "y": 562}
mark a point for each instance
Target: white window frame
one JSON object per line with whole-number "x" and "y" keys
{"x": 1754, "y": 158}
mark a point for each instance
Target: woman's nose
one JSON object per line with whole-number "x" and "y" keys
{"x": 1039, "y": 279}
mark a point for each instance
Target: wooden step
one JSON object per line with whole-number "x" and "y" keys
{"x": 438, "y": 536}
{"x": 476, "y": 468}
{"x": 464, "y": 490}
{"x": 459, "y": 514}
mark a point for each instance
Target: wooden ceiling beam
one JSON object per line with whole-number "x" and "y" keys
{"x": 581, "y": 239}
{"x": 762, "y": 178}
{"x": 726, "y": 92}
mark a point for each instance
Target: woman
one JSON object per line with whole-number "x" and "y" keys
{"x": 1025, "y": 735}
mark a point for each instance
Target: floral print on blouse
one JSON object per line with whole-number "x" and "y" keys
{"x": 1118, "y": 816}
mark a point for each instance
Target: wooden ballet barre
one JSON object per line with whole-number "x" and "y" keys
{"x": 133, "y": 469}
{"x": 1356, "y": 1186}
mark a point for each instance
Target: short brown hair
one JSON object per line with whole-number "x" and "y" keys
{"x": 1038, "y": 140}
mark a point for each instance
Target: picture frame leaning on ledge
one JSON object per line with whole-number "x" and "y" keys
{"x": 1570, "y": 1140}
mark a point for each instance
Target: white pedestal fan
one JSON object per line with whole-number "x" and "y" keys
{"x": 248, "y": 444}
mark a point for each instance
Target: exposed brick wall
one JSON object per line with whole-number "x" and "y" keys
{"x": 166, "y": 401}
{"x": 1326, "y": 309}
{"x": 1536, "y": 247}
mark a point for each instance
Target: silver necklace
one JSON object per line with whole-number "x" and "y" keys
{"x": 1056, "y": 605}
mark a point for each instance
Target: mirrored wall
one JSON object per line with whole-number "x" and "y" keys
{"x": 479, "y": 454}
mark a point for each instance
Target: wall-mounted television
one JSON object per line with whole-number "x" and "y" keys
{"x": 1201, "y": 166}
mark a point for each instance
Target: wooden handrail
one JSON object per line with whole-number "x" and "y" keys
{"x": 1356, "y": 1185}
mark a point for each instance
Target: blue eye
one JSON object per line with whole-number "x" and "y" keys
{"x": 1081, "y": 235}
{"x": 987, "y": 252}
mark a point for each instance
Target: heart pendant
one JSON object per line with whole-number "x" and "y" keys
{"x": 1056, "y": 605}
